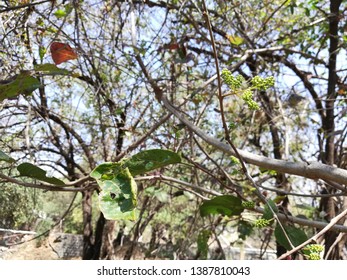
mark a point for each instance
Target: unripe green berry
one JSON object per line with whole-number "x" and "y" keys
{"x": 314, "y": 256}
{"x": 261, "y": 223}
{"x": 248, "y": 204}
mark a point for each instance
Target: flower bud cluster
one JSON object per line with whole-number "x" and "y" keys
{"x": 237, "y": 85}
{"x": 261, "y": 223}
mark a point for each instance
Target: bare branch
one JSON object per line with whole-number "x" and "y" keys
{"x": 311, "y": 170}
{"x": 52, "y": 187}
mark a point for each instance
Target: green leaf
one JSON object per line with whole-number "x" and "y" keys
{"x": 235, "y": 40}
{"x": 42, "y": 52}
{"x": 268, "y": 215}
{"x": 60, "y": 13}
{"x": 227, "y": 205}
{"x": 117, "y": 199}
{"x": 202, "y": 243}
{"x": 68, "y": 8}
{"x": 112, "y": 211}
{"x": 268, "y": 171}
{"x": 297, "y": 236}
{"x": 150, "y": 160}
{"x": 244, "y": 229}
{"x": 20, "y": 84}
{"x": 35, "y": 172}
{"x": 4, "y": 157}
{"x": 50, "y": 69}
{"x": 106, "y": 171}
{"x": 119, "y": 190}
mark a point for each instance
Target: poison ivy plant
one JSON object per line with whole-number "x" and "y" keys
{"x": 268, "y": 214}
{"x": 50, "y": 69}
{"x": 5, "y": 157}
{"x": 26, "y": 82}
{"x": 296, "y": 236}
{"x": 20, "y": 84}
{"x": 150, "y": 160}
{"x": 226, "y": 205}
{"x": 118, "y": 196}
{"x": 30, "y": 170}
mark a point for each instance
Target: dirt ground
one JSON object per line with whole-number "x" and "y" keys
{"x": 48, "y": 249}
{"x": 28, "y": 251}
{"x": 31, "y": 250}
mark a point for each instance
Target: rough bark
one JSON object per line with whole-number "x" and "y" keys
{"x": 329, "y": 205}
{"x": 88, "y": 241}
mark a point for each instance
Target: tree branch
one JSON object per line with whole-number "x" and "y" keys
{"x": 311, "y": 170}
{"x": 52, "y": 187}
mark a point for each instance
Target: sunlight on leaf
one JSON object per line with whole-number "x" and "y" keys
{"x": 150, "y": 160}
{"x": 118, "y": 197}
{"x": 235, "y": 40}
{"x": 60, "y": 13}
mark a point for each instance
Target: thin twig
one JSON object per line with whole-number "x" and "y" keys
{"x": 144, "y": 137}
{"x": 51, "y": 187}
{"x": 269, "y": 18}
{"x": 282, "y": 192}
{"x": 174, "y": 180}
{"x": 26, "y": 5}
{"x": 220, "y": 94}
{"x": 336, "y": 242}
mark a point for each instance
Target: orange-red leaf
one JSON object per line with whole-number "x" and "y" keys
{"x": 171, "y": 46}
{"x": 62, "y": 52}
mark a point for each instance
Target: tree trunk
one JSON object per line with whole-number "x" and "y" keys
{"x": 329, "y": 205}
{"x": 107, "y": 248}
{"x": 99, "y": 231}
{"x": 88, "y": 243}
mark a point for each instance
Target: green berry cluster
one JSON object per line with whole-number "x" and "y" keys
{"x": 233, "y": 82}
{"x": 262, "y": 84}
{"x": 247, "y": 96}
{"x": 316, "y": 248}
{"x": 313, "y": 257}
{"x": 248, "y": 204}
{"x": 312, "y": 251}
{"x": 257, "y": 83}
{"x": 261, "y": 223}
